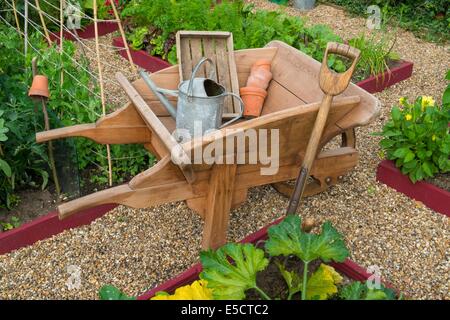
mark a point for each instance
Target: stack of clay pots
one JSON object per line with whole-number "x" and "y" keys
{"x": 255, "y": 92}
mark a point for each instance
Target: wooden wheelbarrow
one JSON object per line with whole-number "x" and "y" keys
{"x": 213, "y": 188}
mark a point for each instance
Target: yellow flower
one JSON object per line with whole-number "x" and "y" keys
{"x": 427, "y": 101}
{"x": 408, "y": 117}
{"x": 433, "y": 137}
{"x": 196, "y": 291}
{"x": 402, "y": 101}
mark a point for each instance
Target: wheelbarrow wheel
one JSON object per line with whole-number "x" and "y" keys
{"x": 317, "y": 185}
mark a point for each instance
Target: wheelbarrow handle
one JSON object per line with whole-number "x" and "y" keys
{"x": 333, "y": 83}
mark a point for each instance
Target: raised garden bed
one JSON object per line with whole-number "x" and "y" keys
{"x": 47, "y": 226}
{"x": 401, "y": 71}
{"x": 348, "y": 268}
{"x": 432, "y": 196}
{"x": 142, "y": 58}
{"x": 87, "y": 32}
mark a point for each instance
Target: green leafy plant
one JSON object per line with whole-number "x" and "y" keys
{"x": 14, "y": 223}
{"x": 155, "y": 22}
{"x": 109, "y": 292}
{"x": 232, "y": 279}
{"x": 287, "y": 238}
{"x": 417, "y": 138}
{"x": 232, "y": 270}
{"x": 24, "y": 163}
{"x": 137, "y": 38}
{"x": 446, "y": 95}
{"x": 360, "y": 291}
{"x": 375, "y": 55}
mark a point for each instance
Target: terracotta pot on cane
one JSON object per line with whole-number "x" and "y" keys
{"x": 254, "y": 93}
{"x": 39, "y": 87}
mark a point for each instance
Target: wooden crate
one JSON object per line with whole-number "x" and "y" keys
{"x": 217, "y": 46}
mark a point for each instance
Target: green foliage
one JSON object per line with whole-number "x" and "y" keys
{"x": 446, "y": 95}
{"x": 360, "y": 291}
{"x": 375, "y": 54}
{"x": 14, "y": 223}
{"x": 232, "y": 269}
{"x": 429, "y": 19}
{"x": 155, "y": 22}
{"x": 417, "y": 138}
{"x": 73, "y": 101}
{"x": 109, "y": 292}
{"x": 287, "y": 238}
{"x": 22, "y": 161}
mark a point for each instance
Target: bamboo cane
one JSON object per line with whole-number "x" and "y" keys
{"x": 102, "y": 91}
{"x": 51, "y": 157}
{"x": 61, "y": 35}
{"x": 16, "y": 17}
{"x": 44, "y": 26}
{"x": 122, "y": 33}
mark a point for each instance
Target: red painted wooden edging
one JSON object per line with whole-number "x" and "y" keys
{"x": 142, "y": 58}
{"x": 378, "y": 83}
{"x": 348, "y": 268}
{"x": 372, "y": 84}
{"x": 46, "y": 226}
{"x": 88, "y": 32}
{"x": 427, "y": 193}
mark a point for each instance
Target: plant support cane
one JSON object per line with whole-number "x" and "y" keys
{"x": 39, "y": 90}
{"x": 332, "y": 84}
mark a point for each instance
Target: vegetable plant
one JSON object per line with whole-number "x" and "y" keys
{"x": 231, "y": 271}
{"x": 154, "y": 23}
{"x": 23, "y": 162}
{"x": 417, "y": 138}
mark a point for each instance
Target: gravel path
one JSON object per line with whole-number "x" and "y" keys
{"x": 137, "y": 249}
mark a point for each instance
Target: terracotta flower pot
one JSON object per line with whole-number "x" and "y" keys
{"x": 39, "y": 87}
{"x": 262, "y": 63}
{"x": 260, "y": 74}
{"x": 253, "y": 98}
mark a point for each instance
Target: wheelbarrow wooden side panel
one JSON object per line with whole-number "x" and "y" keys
{"x": 301, "y": 77}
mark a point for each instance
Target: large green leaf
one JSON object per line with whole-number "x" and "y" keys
{"x": 232, "y": 269}
{"x": 287, "y": 238}
{"x": 4, "y": 166}
{"x": 322, "y": 283}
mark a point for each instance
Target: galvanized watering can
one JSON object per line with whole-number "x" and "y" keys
{"x": 200, "y": 102}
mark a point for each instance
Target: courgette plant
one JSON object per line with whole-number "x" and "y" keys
{"x": 232, "y": 269}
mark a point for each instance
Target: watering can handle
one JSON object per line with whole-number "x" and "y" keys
{"x": 194, "y": 72}
{"x": 241, "y": 104}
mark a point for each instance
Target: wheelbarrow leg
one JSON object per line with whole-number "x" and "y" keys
{"x": 218, "y": 205}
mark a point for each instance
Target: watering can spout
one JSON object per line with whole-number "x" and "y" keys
{"x": 166, "y": 103}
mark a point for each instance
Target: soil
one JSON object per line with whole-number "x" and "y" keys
{"x": 32, "y": 204}
{"x": 441, "y": 181}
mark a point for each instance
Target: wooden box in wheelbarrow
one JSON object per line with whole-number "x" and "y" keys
{"x": 212, "y": 187}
